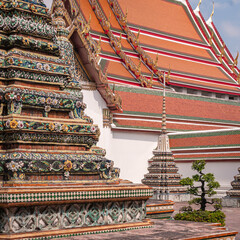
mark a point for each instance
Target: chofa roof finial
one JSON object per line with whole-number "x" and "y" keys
{"x": 209, "y": 21}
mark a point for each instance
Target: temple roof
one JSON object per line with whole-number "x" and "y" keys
{"x": 184, "y": 112}
{"x": 184, "y": 43}
{"x": 215, "y": 145}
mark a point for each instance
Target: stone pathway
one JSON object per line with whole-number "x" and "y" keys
{"x": 232, "y": 217}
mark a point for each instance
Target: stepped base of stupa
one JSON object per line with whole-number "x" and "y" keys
{"x": 45, "y": 212}
{"x": 175, "y": 197}
{"x": 231, "y": 202}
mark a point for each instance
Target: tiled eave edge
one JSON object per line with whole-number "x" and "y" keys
{"x": 207, "y": 159}
{"x": 173, "y": 94}
{"x": 83, "y": 44}
{"x": 33, "y": 196}
{"x": 207, "y": 150}
{"x": 174, "y": 119}
{"x": 209, "y": 154}
{"x": 173, "y": 82}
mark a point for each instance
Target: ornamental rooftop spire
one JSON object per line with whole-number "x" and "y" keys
{"x": 163, "y": 140}
{"x": 163, "y": 174}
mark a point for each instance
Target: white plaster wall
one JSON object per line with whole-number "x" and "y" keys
{"x": 95, "y": 104}
{"x": 224, "y": 172}
{"x": 131, "y": 151}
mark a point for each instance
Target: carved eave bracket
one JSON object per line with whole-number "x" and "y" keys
{"x": 134, "y": 41}
{"x": 88, "y": 51}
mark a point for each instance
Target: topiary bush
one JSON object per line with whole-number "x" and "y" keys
{"x": 202, "y": 216}
{"x": 201, "y": 185}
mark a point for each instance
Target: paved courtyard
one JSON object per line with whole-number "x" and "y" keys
{"x": 232, "y": 217}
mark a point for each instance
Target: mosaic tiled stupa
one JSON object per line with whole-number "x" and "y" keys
{"x": 163, "y": 174}
{"x": 54, "y": 180}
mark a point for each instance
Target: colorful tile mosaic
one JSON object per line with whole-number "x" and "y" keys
{"x": 43, "y": 111}
{"x": 79, "y": 195}
{"x": 52, "y": 217}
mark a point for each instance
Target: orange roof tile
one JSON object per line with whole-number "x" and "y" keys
{"x": 174, "y": 35}
{"x": 150, "y": 41}
{"x": 87, "y": 11}
{"x": 145, "y": 103}
{"x": 205, "y": 141}
{"x": 187, "y": 66}
{"x": 161, "y": 16}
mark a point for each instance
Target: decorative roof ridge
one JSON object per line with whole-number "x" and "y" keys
{"x": 211, "y": 25}
{"x": 134, "y": 41}
{"x": 213, "y": 34}
{"x": 116, "y": 45}
{"x": 197, "y": 9}
{"x": 209, "y": 21}
{"x": 226, "y": 50}
{"x": 182, "y": 1}
{"x": 165, "y": 52}
{"x": 77, "y": 24}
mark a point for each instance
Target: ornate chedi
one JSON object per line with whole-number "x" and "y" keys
{"x": 163, "y": 174}
{"x": 54, "y": 180}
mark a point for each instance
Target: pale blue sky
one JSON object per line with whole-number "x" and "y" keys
{"x": 226, "y": 18}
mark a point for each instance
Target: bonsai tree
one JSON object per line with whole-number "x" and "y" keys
{"x": 201, "y": 185}
{"x": 204, "y": 188}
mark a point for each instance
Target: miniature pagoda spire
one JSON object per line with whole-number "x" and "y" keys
{"x": 163, "y": 140}
{"x": 164, "y": 128}
{"x": 163, "y": 174}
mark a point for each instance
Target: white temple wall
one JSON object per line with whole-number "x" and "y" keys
{"x": 131, "y": 151}
{"x": 95, "y": 104}
{"x": 224, "y": 172}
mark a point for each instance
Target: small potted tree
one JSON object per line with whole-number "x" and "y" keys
{"x": 201, "y": 185}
